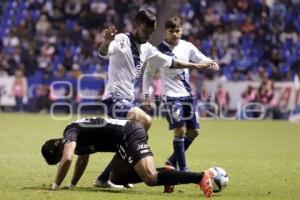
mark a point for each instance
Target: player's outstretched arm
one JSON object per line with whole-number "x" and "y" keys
{"x": 64, "y": 164}
{"x": 109, "y": 35}
{"x": 178, "y": 64}
{"x": 80, "y": 166}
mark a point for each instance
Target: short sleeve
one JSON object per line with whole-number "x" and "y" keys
{"x": 70, "y": 134}
{"x": 158, "y": 59}
{"x": 197, "y": 56}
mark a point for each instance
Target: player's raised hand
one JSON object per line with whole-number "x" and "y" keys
{"x": 109, "y": 33}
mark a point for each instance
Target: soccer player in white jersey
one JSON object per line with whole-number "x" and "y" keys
{"x": 127, "y": 53}
{"x": 178, "y": 100}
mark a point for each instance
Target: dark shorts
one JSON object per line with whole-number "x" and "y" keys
{"x": 181, "y": 111}
{"x": 118, "y": 108}
{"x": 135, "y": 144}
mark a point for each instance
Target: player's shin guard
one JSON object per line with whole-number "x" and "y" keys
{"x": 178, "y": 145}
{"x": 172, "y": 159}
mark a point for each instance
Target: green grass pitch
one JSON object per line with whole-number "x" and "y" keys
{"x": 262, "y": 159}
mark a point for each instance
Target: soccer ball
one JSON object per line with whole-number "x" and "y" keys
{"x": 220, "y": 179}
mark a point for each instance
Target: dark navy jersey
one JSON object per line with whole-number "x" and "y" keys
{"x": 95, "y": 134}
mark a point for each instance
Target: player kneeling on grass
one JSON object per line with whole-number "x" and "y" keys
{"x": 133, "y": 162}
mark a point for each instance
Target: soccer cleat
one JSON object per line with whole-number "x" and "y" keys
{"x": 169, "y": 163}
{"x": 106, "y": 184}
{"x": 185, "y": 170}
{"x": 169, "y": 188}
{"x": 129, "y": 185}
{"x": 206, "y": 184}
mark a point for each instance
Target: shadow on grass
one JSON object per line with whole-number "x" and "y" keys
{"x": 116, "y": 191}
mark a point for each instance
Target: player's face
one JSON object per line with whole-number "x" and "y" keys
{"x": 144, "y": 33}
{"x": 173, "y": 35}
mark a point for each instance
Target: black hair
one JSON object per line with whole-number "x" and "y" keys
{"x": 173, "y": 22}
{"x": 52, "y": 151}
{"x": 146, "y": 17}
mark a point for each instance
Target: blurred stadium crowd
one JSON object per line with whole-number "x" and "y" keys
{"x": 250, "y": 39}
{"x": 46, "y": 40}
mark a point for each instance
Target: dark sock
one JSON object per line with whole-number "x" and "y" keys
{"x": 178, "y": 145}
{"x": 165, "y": 177}
{"x": 172, "y": 160}
{"x": 133, "y": 177}
{"x": 187, "y": 142}
{"x": 105, "y": 174}
{"x": 173, "y": 177}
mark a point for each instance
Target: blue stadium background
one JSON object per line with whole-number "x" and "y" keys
{"x": 57, "y": 40}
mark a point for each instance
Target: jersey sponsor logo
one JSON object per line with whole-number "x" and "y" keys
{"x": 138, "y": 71}
{"x": 142, "y": 146}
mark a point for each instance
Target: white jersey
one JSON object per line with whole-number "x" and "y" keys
{"x": 126, "y": 59}
{"x": 175, "y": 82}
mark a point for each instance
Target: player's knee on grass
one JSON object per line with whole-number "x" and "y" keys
{"x": 192, "y": 133}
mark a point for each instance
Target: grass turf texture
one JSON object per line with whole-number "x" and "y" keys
{"x": 262, "y": 159}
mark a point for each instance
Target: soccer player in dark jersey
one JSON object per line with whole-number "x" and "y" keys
{"x": 133, "y": 162}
